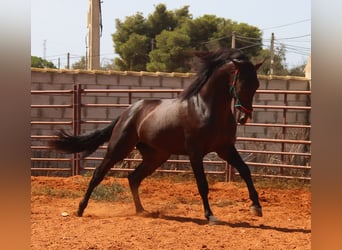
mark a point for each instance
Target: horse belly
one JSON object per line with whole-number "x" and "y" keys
{"x": 163, "y": 131}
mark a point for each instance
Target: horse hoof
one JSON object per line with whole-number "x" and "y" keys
{"x": 143, "y": 213}
{"x": 255, "y": 210}
{"x": 79, "y": 213}
{"x": 213, "y": 220}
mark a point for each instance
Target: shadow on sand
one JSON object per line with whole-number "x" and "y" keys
{"x": 224, "y": 223}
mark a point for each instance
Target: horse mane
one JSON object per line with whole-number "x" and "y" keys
{"x": 209, "y": 62}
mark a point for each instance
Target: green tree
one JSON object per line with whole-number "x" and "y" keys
{"x": 279, "y": 66}
{"x": 81, "y": 64}
{"x": 297, "y": 71}
{"x": 279, "y": 62}
{"x": 201, "y": 30}
{"x": 182, "y": 15}
{"x": 171, "y": 53}
{"x": 38, "y": 62}
{"x": 161, "y": 19}
{"x": 165, "y": 38}
{"x": 248, "y": 37}
{"x": 134, "y": 53}
{"x": 131, "y": 43}
{"x": 111, "y": 65}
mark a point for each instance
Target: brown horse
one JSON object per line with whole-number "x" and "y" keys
{"x": 199, "y": 121}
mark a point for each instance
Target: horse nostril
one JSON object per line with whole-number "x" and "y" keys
{"x": 242, "y": 120}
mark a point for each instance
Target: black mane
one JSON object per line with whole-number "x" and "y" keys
{"x": 210, "y": 61}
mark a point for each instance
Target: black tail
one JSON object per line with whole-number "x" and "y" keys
{"x": 87, "y": 143}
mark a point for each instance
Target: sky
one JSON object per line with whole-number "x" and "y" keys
{"x": 60, "y": 27}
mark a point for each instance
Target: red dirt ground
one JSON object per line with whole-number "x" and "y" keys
{"x": 176, "y": 221}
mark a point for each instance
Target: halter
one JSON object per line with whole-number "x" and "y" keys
{"x": 232, "y": 91}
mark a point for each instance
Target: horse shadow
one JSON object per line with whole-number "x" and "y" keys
{"x": 235, "y": 225}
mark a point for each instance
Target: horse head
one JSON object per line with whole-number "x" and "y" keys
{"x": 244, "y": 85}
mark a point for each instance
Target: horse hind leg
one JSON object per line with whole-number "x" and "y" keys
{"x": 152, "y": 159}
{"x": 97, "y": 177}
{"x": 117, "y": 151}
{"x": 135, "y": 178}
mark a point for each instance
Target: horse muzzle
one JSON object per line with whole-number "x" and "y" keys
{"x": 244, "y": 116}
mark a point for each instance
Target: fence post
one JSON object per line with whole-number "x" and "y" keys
{"x": 284, "y": 130}
{"x": 229, "y": 172}
{"x": 76, "y": 125}
{"x": 130, "y": 98}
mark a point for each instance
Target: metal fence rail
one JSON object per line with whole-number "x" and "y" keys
{"x": 44, "y": 160}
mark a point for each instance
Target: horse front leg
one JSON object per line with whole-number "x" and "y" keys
{"x": 231, "y": 155}
{"x": 202, "y": 185}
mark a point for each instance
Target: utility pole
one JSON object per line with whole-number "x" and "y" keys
{"x": 272, "y": 54}
{"x": 152, "y": 44}
{"x": 93, "y": 54}
{"x": 86, "y": 57}
{"x": 233, "y": 39}
{"x": 68, "y": 61}
{"x": 44, "y": 50}
{"x": 229, "y": 166}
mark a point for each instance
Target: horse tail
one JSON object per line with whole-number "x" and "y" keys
{"x": 86, "y": 143}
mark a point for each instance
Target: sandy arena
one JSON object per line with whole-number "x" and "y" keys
{"x": 176, "y": 221}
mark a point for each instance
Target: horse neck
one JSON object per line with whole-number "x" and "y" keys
{"x": 215, "y": 93}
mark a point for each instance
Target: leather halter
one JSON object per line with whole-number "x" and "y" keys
{"x": 232, "y": 91}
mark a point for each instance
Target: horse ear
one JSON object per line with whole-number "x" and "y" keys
{"x": 237, "y": 63}
{"x": 258, "y": 65}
